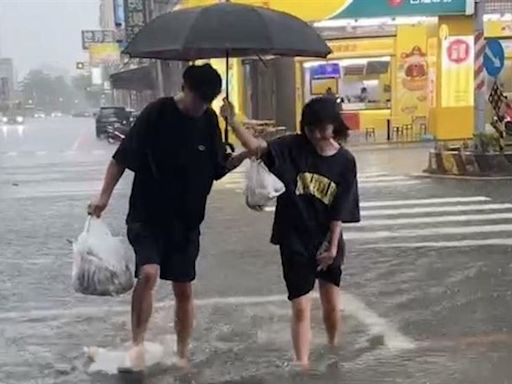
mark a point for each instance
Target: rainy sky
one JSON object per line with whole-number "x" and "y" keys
{"x": 38, "y": 33}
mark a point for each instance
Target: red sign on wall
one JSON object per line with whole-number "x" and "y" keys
{"x": 458, "y": 51}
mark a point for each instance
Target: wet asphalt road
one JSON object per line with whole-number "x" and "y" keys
{"x": 427, "y": 282}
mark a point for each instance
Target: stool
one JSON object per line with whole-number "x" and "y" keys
{"x": 423, "y": 129}
{"x": 407, "y": 131}
{"x": 369, "y": 132}
{"x": 397, "y": 132}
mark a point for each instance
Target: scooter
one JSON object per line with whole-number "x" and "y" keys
{"x": 116, "y": 132}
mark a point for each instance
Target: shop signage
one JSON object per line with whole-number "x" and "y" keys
{"x": 498, "y": 28}
{"x": 104, "y": 54}
{"x": 326, "y": 71}
{"x": 494, "y": 57}
{"x": 355, "y": 48}
{"x": 457, "y": 77}
{"x": 355, "y": 9}
{"x": 135, "y": 17}
{"x": 390, "y": 8}
{"x": 97, "y": 37}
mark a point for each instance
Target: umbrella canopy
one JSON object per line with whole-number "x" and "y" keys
{"x": 226, "y": 29}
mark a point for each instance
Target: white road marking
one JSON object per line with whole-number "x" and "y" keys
{"x": 41, "y": 153}
{"x": 371, "y": 174}
{"x": 432, "y": 219}
{"x": 443, "y": 244}
{"x": 429, "y": 232}
{"x": 454, "y": 208}
{"x": 442, "y": 200}
{"x": 99, "y": 152}
{"x": 377, "y": 325}
{"x": 382, "y": 178}
{"x": 389, "y": 183}
{"x": 69, "y": 153}
{"x": 12, "y": 154}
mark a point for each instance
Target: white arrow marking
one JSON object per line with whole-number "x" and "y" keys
{"x": 495, "y": 60}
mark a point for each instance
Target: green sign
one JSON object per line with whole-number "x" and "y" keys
{"x": 358, "y": 9}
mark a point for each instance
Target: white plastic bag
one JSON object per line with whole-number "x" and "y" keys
{"x": 100, "y": 264}
{"x": 262, "y": 186}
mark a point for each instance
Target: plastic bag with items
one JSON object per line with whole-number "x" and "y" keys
{"x": 262, "y": 186}
{"x": 100, "y": 265}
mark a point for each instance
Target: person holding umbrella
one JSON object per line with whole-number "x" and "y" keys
{"x": 321, "y": 194}
{"x": 176, "y": 151}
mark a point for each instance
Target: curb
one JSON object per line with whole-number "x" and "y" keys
{"x": 455, "y": 177}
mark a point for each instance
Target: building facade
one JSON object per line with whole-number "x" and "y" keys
{"x": 7, "y": 82}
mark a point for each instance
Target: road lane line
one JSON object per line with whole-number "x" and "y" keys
{"x": 432, "y": 219}
{"x": 454, "y": 208}
{"x": 442, "y": 200}
{"x": 440, "y": 231}
{"x": 442, "y": 244}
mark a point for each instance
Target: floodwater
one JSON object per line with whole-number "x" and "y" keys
{"x": 427, "y": 295}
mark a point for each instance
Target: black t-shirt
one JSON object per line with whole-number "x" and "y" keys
{"x": 319, "y": 190}
{"x": 175, "y": 159}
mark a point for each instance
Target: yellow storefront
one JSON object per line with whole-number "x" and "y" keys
{"x": 401, "y": 80}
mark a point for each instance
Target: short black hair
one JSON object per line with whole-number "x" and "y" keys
{"x": 321, "y": 111}
{"x": 204, "y": 81}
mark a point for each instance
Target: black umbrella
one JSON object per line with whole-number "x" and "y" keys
{"x": 226, "y": 30}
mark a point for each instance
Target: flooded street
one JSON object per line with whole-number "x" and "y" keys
{"x": 427, "y": 283}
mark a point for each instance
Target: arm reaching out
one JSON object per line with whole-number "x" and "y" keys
{"x": 255, "y": 146}
{"x": 112, "y": 177}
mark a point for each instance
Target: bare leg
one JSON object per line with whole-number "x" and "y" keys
{"x": 184, "y": 319}
{"x": 301, "y": 329}
{"x": 331, "y": 306}
{"x": 142, "y": 306}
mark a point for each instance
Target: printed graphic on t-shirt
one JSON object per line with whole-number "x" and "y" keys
{"x": 316, "y": 185}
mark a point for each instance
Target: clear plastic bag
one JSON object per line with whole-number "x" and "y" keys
{"x": 262, "y": 186}
{"x": 100, "y": 264}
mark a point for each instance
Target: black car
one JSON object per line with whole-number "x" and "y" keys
{"x": 108, "y": 116}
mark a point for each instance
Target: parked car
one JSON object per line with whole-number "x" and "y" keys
{"x": 108, "y": 116}
{"x": 56, "y": 114}
{"x": 82, "y": 114}
{"x": 39, "y": 115}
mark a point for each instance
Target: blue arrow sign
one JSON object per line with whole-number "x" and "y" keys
{"x": 494, "y": 57}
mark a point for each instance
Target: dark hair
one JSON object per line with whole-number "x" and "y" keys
{"x": 204, "y": 81}
{"x": 321, "y": 111}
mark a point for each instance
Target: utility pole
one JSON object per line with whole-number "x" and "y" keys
{"x": 480, "y": 89}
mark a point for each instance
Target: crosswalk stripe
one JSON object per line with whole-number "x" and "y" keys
{"x": 371, "y": 174}
{"x": 389, "y": 203}
{"x": 236, "y": 182}
{"x": 442, "y": 244}
{"x": 382, "y": 178}
{"x": 389, "y": 183}
{"x": 429, "y": 231}
{"x": 454, "y": 208}
{"x": 433, "y": 219}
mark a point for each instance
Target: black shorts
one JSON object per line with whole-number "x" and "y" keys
{"x": 300, "y": 270}
{"x": 175, "y": 251}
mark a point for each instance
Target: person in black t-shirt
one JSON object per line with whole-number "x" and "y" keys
{"x": 176, "y": 151}
{"x": 321, "y": 193}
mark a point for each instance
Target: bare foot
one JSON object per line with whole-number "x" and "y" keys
{"x": 183, "y": 363}
{"x": 135, "y": 360}
{"x": 303, "y": 367}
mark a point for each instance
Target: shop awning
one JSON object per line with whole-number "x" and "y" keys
{"x": 138, "y": 79}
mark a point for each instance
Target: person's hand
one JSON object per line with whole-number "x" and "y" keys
{"x": 325, "y": 259}
{"x": 96, "y": 207}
